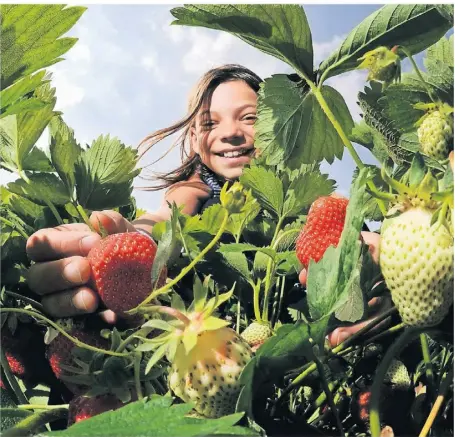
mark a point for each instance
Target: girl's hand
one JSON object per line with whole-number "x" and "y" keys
{"x": 61, "y": 271}
{"x": 376, "y": 305}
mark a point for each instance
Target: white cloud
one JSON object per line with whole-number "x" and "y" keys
{"x": 175, "y": 33}
{"x": 322, "y": 50}
{"x": 68, "y": 92}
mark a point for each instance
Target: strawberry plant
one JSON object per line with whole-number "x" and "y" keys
{"x": 230, "y": 343}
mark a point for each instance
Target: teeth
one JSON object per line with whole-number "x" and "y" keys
{"x": 235, "y": 153}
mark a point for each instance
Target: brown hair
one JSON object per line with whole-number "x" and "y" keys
{"x": 201, "y": 94}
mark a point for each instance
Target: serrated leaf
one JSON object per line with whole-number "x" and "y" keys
{"x": 265, "y": 186}
{"x": 292, "y": 127}
{"x": 212, "y": 218}
{"x": 278, "y": 30}
{"x": 153, "y": 417}
{"x": 238, "y": 262}
{"x": 30, "y": 38}
{"x": 104, "y": 174}
{"x": 304, "y": 190}
{"x": 245, "y": 247}
{"x": 238, "y": 222}
{"x": 64, "y": 151}
{"x": 442, "y": 51}
{"x": 330, "y": 280}
{"x": 414, "y": 26}
{"x": 42, "y": 186}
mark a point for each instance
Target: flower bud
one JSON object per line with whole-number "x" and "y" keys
{"x": 234, "y": 198}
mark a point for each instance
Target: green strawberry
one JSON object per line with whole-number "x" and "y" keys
{"x": 436, "y": 134}
{"x": 383, "y": 64}
{"x": 206, "y": 356}
{"x": 256, "y": 334}
{"x": 397, "y": 375}
{"x": 416, "y": 260}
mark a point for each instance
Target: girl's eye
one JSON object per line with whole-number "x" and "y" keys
{"x": 250, "y": 117}
{"x": 207, "y": 125}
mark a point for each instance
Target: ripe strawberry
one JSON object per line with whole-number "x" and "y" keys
{"x": 416, "y": 259}
{"x": 207, "y": 357}
{"x": 397, "y": 375}
{"x": 436, "y": 134}
{"x": 121, "y": 270}
{"x": 323, "y": 228}
{"x": 81, "y": 407}
{"x": 24, "y": 351}
{"x": 59, "y": 353}
{"x": 256, "y": 334}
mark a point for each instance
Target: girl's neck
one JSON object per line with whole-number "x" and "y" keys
{"x": 213, "y": 180}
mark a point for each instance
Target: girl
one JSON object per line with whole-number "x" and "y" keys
{"x": 217, "y": 141}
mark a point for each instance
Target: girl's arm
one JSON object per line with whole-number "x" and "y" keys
{"x": 189, "y": 194}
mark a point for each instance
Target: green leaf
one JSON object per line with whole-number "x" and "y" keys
{"x": 414, "y": 26}
{"x": 200, "y": 294}
{"x": 30, "y": 38}
{"x": 245, "y": 247}
{"x": 158, "y": 324}
{"x": 266, "y": 187}
{"x": 292, "y": 127}
{"x": 238, "y": 222}
{"x": 36, "y": 160}
{"x": 64, "y": 151}
{"x": 211, "y": 219}
{"x": 42, "y": 186}
{"x": 104, "y": 174}
{"x": 153, "y": 417}
{"x": 330, "y": 281}
{"x": 442, "y": 51}
{"x": 238, "y": 262}
{"x": 304, "y": 190}
{"x": 157, "y": 355}
{"x": 278, "y": 30}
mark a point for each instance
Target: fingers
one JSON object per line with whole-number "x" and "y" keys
{"x": 302, "y": 277}
{"x": 112, "y": 222}
{"x": 373, "y": 240}
{"x": 52, "y": 276}
{"x": 109, "y": 317}
{"x": 51, "y": 244}
{"x": 451, "y": 159}
{"x": 70, "y": 303}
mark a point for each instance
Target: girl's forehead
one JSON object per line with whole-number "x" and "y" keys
{"x": 230, "y": 95}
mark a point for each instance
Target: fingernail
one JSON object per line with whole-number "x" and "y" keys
{"x": 88, "y": 242}
{"x": 84, "y": 301}
{"x": 72, "y": 273}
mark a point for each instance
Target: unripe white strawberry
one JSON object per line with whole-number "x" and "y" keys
{"x": 209, "y": 374}
{"x": 256, "y": 334}
{"x": 436, "y": 134}
{"x": 397, "y": 374}
{"x": 416, "y": 260}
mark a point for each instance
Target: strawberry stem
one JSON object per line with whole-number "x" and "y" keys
{"x": 164, "y": 289}
{"x": 62, "y": 331}
{"x": 392, "y": 352}
{"x": 419, "y": 74}
{"x": 427, "y": 361}
{"x": 137, "y": 375}
{"x": 84, "y": 216}
{"x": 445, "y": 384}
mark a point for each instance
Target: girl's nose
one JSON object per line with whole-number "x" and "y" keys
{"x": 230, "y": 130}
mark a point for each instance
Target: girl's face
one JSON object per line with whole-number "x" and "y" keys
{"x": 224, "y": 135}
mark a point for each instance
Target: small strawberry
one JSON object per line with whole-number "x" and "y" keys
{"x": 24, "y": 351}
{"x": 207, "y": 357}
{"x": 256, "y": 334}
{"x": 121, "y": 269}
{"x": 397, "y": 375}
{"x": 323, "y": 228}
{"x": 82, "y": 407}
{"x": 383, "y": 64}
{"x": 59, "y": 352}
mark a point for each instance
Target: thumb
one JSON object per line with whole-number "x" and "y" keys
{"x": 302, "y": 277}
{"x": 111, "y": 221}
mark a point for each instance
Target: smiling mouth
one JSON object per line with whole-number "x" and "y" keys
{"x": 236, "y": 153}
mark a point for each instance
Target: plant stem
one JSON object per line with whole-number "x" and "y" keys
{"x": 270, "y": 273}
{"x": 32, "y": 302}
{"x": 84, "y": 216}
{"x": 11, "y": 379}
{"x": 130, "y": 338}
{"x": 16, "y": 228}
{"x": 445, "y": 384}
{"x": 427, "y": 361}
{"x": 419, "y": 74}
{"x": 256, "y": 295}
{"x": 62, "y": 331}
{"x": 386, "y": 332}
{"x": 277, "y": 311}
{"x": 187, "y": 269}
{"x": 347, "y": 143}
{"x": 137, "y": 375}
{"x": 397, "y": 346}
{"x": 329, "y": 395}
{"x": 41, "y": 407}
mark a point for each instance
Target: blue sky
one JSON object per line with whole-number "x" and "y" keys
{"x": 131, "y": 72}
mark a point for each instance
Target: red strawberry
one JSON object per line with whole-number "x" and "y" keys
{"x": 59, "y": 352}
{"x": 24, "y": 351}
{"x": 323, "y": 228}
{"x": 81, "y": 407}
{"x": 121, "y": 269}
